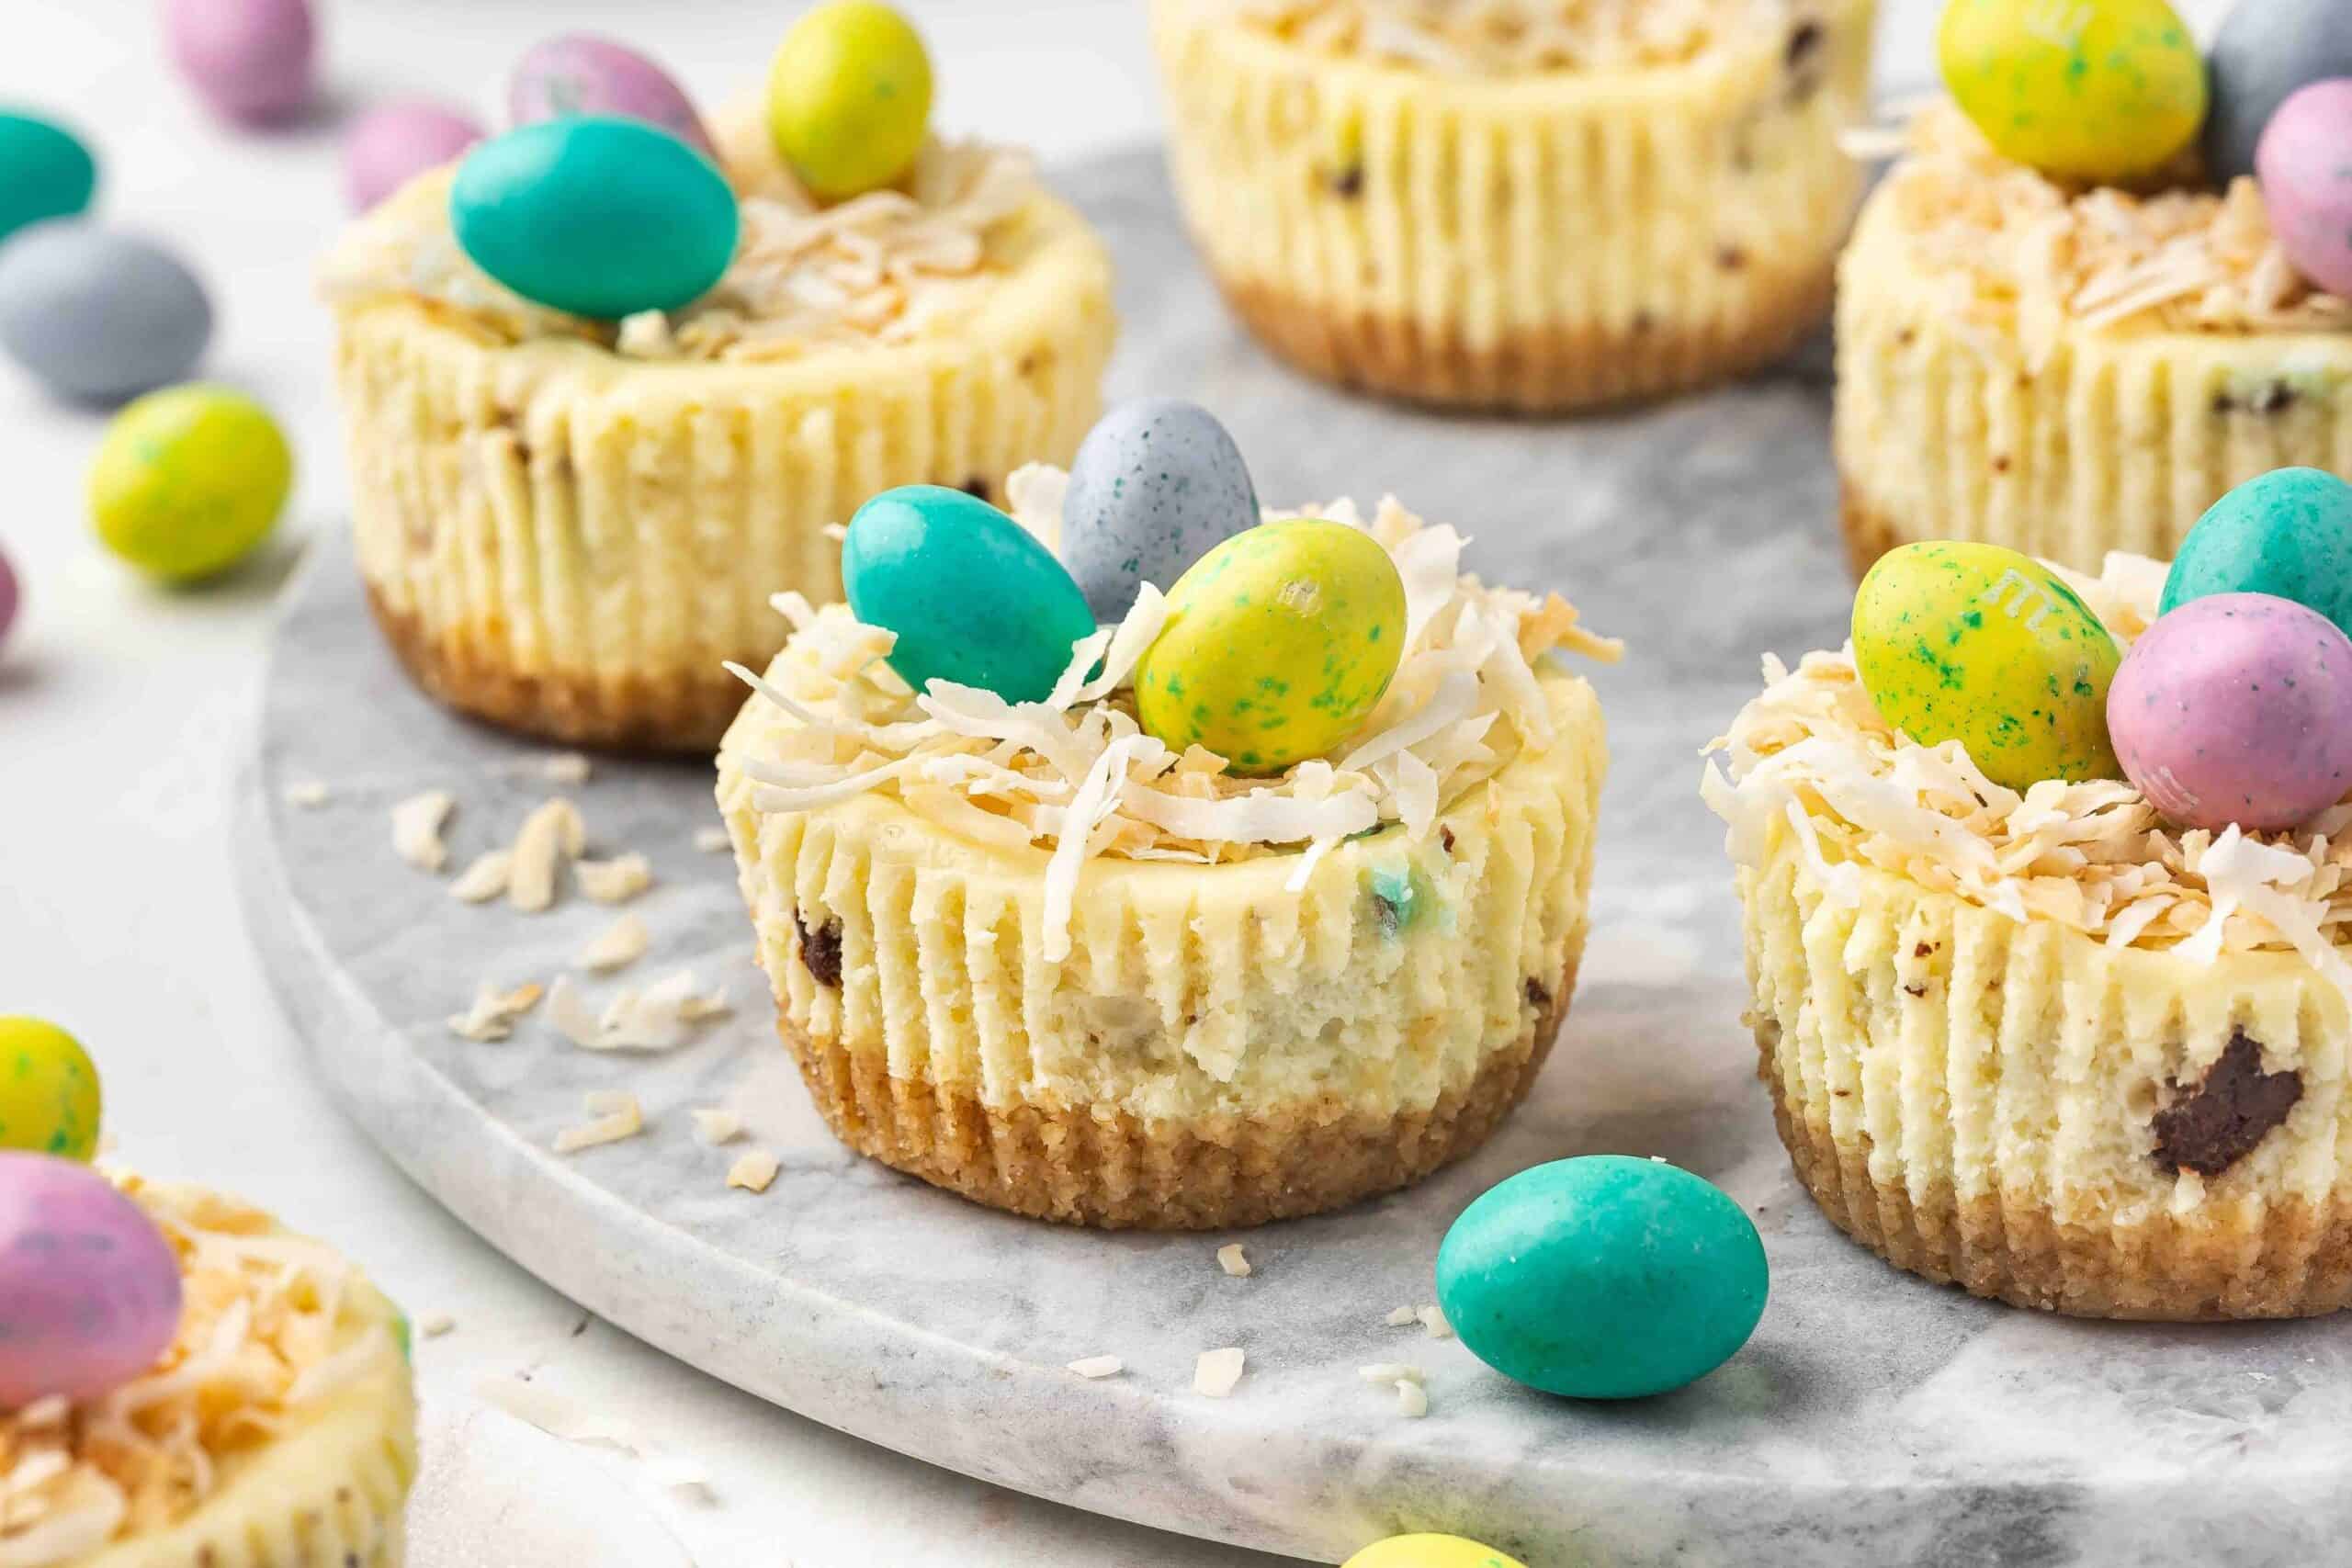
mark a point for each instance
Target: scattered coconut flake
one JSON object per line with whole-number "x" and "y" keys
{"x": 615, "y": 1114}
{"x": 1389, "y": 1372}
{"x": 569, "y": 768}
{"x": 615, "y": 881}
{"x": 1092, "y": 1367}
{"x": 659, "y": 1018}
{"x": 1216, "y": 1372}
{"x": 491, "y": 1017}
{"x": 552, "y": 834}
{"x": 1401, "y": 1317}
{"x": 752, "y": 1170}
{"x": 308, "y": 794}
{"x": 1433, "y": 1322}
{"x": 485, "y": 879}
{"x": 416, "y": 829}
{"x": 561, "y": 1417}
{"x": 1229, "y": 1258}
{"x": 622, "y": 945}
{"x": 714, "y": 1126}
{"x": 1412, "y": 1400}
{"x": 433, "y": 1326}
{"x": 713, "y": 841}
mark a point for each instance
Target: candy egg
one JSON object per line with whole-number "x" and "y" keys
{"x": 1278, "y": 644}
{"x": 98, "y": 315}
{"x": 972, "y": 596}
{"x": 187, "y": 482}
{"x": 392, "y": 144}
{"x": 849, "y": 97}
{"x": 1430, "y": 1552}
{"x": 1981, "y": 645}
{"x": 2266, "y": 50}
{"x": 598, "y": 216}
{"x": 2091, "y": 90}
{"x": 48, "y": 1091}
{"x": 1603, "y": 1277}
{"x": 249, "y": 60}
{"x": 576, "y": 73}
{"x": 10, "y": 596}
{"x": 2237, "y": 709}
{"x": 45, "y": 172}
{"x": 1156, "y": 485}
{"x": 2287, "y": 533}
{"x": 89, "y": 1288}
{"x": 2307, "y": 182}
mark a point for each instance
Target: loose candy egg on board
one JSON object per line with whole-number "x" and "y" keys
{"x": 2287, "y": 533}
{"x": 1604, "y": 1277}
{"x": 972, "y": 596}
{"x": 187, "y": 482}
{"x": 598, "y": 216}
{"x": 1156, "y": 485}
{"x": 2090, "y": 90}
{"x": 849, "y": 97}
{"x": 11, "y": 596}
{"x": 89, "y": 1288}
{"x": 580, "y": 73}
{"x": 45, "y": 172}
{"x": 2265, "y": 50}
{"x": 50, "y": 1101}
{"x": 97, "y": 315}
{"x": 2305, "y": 167}
{"x": 1278, "y": 644}
{"x": 251, "y": 61}
{"x": 394, "y": 142}
{"x": 1430, "y": 1552}
{"x": 2237, "y": 709}
{"x": 1981, "y": 645}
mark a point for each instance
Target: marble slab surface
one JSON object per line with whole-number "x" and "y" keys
{"x": 1873, "y": 1419}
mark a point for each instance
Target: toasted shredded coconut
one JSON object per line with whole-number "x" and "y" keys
{"x": 622, "y": 945}
{"x": 613, "y": 1115}
{"x": 1216, "y": 1372}
{"x": 550, "y": 835}
{"x": 485, "y": 878}
{"x": 1389, "y": 1372}
{"x": 493, "y": 1015}
{"x": 1493, "y": 37}
{"x": 1412, "y": 1400}
{"x": 659, "y": 1018}
{"x": 752, "y": 1170}
{"x": 308, "y": 794}
{"x": 416, "y": 829}
{"x": 1098, "y": 1367}
{"x": 1229, "y": 1258}
{"x": 1400, "y": 1317}
{"x": 714, "y": 1126}
{"x": 1076, "y": 771}
{"x": 267, "y": 1329}
{"x": 1812, "y": 753}
{"x": 1432, "y": 1321}
{"x": 713, "y": 841}
{"x": 615, "y": 881}
{"x": 436, "y": 1325}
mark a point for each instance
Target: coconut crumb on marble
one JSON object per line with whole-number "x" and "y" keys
{"x": 1216, "y": 1372}
{"x": 752, "y": 1170}
{"x": 622, "y": 943}
{"x": 566, "y": 768}
{"x": 433, "y": 1326}
{"x": 1412, "y": 1400}
{"x": 659, "y": 1018}
{"x": 552, "y": 834}
{"x": 1389, "y": 1372}
{"x": 1432, "y": 1321}
{"x": 713, "y": 841}
{"x": 715, "y": 1126}
{"x": 1401, "y": 1317}
{"x": 485, "y": 879}
{"x": 615, "y": 1114}
{"x": 491, "y": 1017}
{"x": 308, "y": 794}
{"x": 615, "y": 881}
{"x": 1092, "y": 1367}
{"x": 1230, "y": 1259}
{"x": 416, "y": 829}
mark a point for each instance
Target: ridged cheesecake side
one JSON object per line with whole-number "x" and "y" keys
{"x": 1214, "y": 1050}
{"x": 1543, "y": 242}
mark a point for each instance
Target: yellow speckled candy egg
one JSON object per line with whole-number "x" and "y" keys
{"x": 1278, "y": 643}
{"x": 48, "y": 1091}
{"x": 2082, "y": 90}
{"x": 1989, "y": 647}
{"x": 1430, "y": 1552}
{"x": 189, "y": 481}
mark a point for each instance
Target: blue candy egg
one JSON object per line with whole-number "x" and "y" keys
{"x": 45, "y": 172}
{"x": 98, "y": 315}
{"x": 600, "y": 216}
{"x": 1156, "y": 485}
{"x": 972, "y": 596}
{"x": 1603, "y": 1277}
{"x": 2265, "y": 50}
{"x": 2287, "y": 533}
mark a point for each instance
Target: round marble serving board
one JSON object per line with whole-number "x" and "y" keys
{"x": 1873, "y": 1418}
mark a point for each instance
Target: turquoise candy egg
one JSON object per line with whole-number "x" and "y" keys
{"x": 971, "y": 595}
{"x": 45, "y": 172}
{"x": 2287, "y": 533}
{"x": 1603, "y": 1277}
{"x": 600, "y": 216}
{"x": 1158, "y": 484}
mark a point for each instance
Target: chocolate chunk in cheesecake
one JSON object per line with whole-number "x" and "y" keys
{"x": 820, "y": 949}
{"x": 2212, "y": 1127}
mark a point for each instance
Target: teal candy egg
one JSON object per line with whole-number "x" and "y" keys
{"x": 600, "y": 216}
{"x": 2287, "y": 533}
{"x": 45, "y": 172}
{"x": 971, "y": 595}
{"x": 1603, "y": 1277}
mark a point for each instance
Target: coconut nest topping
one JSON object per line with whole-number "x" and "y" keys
{"x": 1495, "y": 38}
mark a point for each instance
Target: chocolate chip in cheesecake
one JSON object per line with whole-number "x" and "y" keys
{"x": 2212, "y": 1127}
{"x": 1347, "y": 184}
{"x": 1807, "y": 59}
{"x": 978, "y": 488}
{"x": 2265, "y": 398}
{"x": 1538, "y": 996}
{"x": 820, "y": 949}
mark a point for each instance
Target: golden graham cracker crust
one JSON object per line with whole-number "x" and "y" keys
{"x": 1103, "y": 1166}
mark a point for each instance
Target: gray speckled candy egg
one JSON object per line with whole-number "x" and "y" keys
{"x": 2265, "y": 52}
{"x": 99, "y": 315}
{"x": 1156, "y": 485}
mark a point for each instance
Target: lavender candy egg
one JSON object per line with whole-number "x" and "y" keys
{"x": 2305, "y": 167}
{"x": 10, "y": 596}
{"x": 251, "y": 60}
{"x": 580, "y": 73}
{"x": 89, "y": 1288}
{"x": 2237, "y": 709}
{"x": 389, "y": 146}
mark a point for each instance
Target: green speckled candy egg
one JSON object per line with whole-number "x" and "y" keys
{"x": 1278, "y": 643}
{"x": 189, "y": 480}
{"x": 48, "y": 1091}
{"x": 2082, "y": 90}
{"x": 2287, "y": 533}
{"x": 1989, "y": 647}
{"x": 1603, "y": 1277}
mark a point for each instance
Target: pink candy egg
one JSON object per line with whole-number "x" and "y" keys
{"x": 2237, "y": 709}
{"x": 89, "y": 1288}
{"x": 579, "y": 74}
{"x": 2305, "y": 166}
{"x": 9, "y": 597}
{"x": 251, "y": 60}
{"x": 391, "y": 146}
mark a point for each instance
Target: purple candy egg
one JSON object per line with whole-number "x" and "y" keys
{"x": 391, "y": 146}
{"x": 2305, "y": 167}
{"x": 9, "y": 597}
{"x": 89, "y": 1288}
{"x": 251, "y": 60}
{"x": 579, "y": 74}
{"x": 2237, "y": 709}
